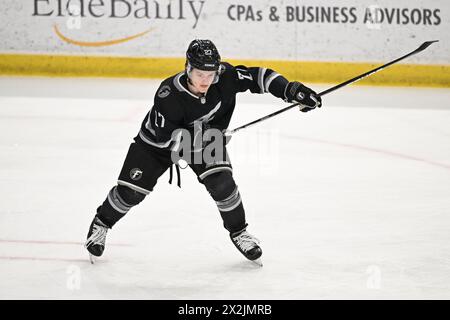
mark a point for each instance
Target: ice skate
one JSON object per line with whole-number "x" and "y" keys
{"x": 96, "y": 237}
{"x": 248, "y": 245}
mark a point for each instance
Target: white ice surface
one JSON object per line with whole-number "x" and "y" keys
{"x": 349, "y": 201}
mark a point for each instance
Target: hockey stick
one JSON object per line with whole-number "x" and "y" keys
{"x": 343, "y": 84}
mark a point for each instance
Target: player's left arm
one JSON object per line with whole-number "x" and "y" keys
{"x": 262, "y": 80}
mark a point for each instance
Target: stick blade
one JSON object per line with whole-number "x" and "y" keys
{"x": 258, "y": 262}
{"x": 425, "y": 45}
{"x": 92, "y": 258}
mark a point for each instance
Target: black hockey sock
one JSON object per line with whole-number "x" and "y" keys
{"x": 225, "y": 193}
{"x": 108, "y": 215}
{"x": 118, "y": 202}
{"x": 234, "y": 220}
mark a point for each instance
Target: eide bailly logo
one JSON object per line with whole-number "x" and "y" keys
{"x": 141, "y": 10}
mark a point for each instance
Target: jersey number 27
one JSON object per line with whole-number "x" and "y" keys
{"x": 159, "y": 117}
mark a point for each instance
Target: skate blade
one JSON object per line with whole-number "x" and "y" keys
{"x": 92, "y": 258}
{"x": 258, "y": 262}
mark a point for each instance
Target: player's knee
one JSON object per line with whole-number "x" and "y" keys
{"x": 220, "y": 185}
{"x": 130, "y": 196}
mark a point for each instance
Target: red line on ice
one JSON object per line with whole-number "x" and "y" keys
{"x": 44, "y": 259}
{"x": 386, "y": 152}
{"x": 56, "y": 242}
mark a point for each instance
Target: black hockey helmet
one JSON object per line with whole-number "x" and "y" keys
{"x": 202, "y": 55}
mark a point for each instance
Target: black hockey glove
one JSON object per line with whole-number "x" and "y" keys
{"x": 297, "y": 92}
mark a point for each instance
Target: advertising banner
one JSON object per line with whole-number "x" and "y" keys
{"x": 311, "y": 31}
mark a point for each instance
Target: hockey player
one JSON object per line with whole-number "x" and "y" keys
{"x": 204, "y": 95}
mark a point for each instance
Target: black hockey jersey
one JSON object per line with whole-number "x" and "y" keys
{"x": 175, "y": 107}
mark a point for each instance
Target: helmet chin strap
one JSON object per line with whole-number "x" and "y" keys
{"x": 187, "y": 71}
{"x": 218, "y": 73}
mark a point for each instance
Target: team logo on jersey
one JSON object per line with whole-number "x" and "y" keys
{"x": 164, "y": 92}
{"x": 135, "y": 174}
